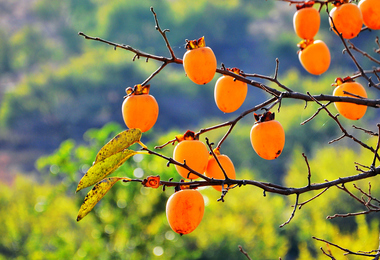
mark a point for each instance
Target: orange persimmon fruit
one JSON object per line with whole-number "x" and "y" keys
{"x": 314, "y": 56}
{"x": 371, "y": 13}
{"x": 347, "y": 18}
{"x": 213, "y": 169}
{"x": 267, "y": 136}
{"x": 306, "y": 21}
{"x": 184, "y": 211}
{"x": 230, "y": 93}
{"x": 193, "y": 152}
{"x": 344, "y": 88}
{"x": 139, "y": 109}
{"x": 199, "y": 62}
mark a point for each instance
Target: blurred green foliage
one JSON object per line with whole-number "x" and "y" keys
{"x": 130, "y": 221}
{"x": 68, "y": 84}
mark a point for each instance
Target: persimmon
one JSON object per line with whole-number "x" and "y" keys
{"x": 193, "y": 152}
{"x": 347, "y": 18}
{"x": 139, "y": 109}
{"x": 230, "y": 93}
{"x": 371, "y": 13}
{"x": 213, "y": 169}
{"x": 314, "y": 56}
{"x": 199, "y": 62}
{"x": 349, "y": 88}
{"x": 267, "y": 136}
{"x": 306, "y": 21}
{"x": 184, "y": 211}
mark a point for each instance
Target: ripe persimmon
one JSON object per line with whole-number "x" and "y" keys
{"x": 230, "y": 93}
{"x": 306, "y": 21}
{"x": 267, "y": 136}
{"x": 184, "y": 211}
{"x": 193, "y": 152}
{"x": 199, "y": 62}
{"x": 314, "y": 56}
{"x": 213, "y": 169}
{"x": 139, "y": 109}
{"x": 371, "y": 13}
{"x": 345, "y": 88}
{"x": 347, "y": 18}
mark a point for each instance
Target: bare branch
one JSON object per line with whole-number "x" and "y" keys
{"x": 344, "y": 249}
{"x": 244, "y": 253}
{"x": 293, "y": 212}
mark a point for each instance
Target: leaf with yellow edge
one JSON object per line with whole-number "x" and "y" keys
{"x": 96, "y": 194}
{"x": 120, "y": 142}
{"x": 102, "y": 169}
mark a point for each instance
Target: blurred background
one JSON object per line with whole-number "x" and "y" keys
{"x": 60, "y": 102}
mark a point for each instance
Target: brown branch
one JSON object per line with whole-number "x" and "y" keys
{"x": 321, "y": 107}
{"x": 172, "y": 161}
{"x": 344, "y": 131}
{"x": 367, "y": 203}
{"x": 131, "y": 49}
{"x": 293, "y": 212}
{"x": 377, "y": 148}
{"x": 344, "y": 249}
{"x": 243, "y": 252}
{"x": 366, "y": 131}
{"x": 232, "y": 123}
{"x": 347, "y": 50}
{"x": 300, "y": 205}
{"x": 272, "y": 79}
{"x": 329, "y": 254}
{"x": 163, "y": 34}
{"x": 308, "y": 169}
{"x": 292, "y": 95}
{"x": 352, "y": 46}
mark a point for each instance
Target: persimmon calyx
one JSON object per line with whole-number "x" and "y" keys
{"x": 305, "y": 5}
{"x": 216, "y": 151}
{"x": 189, "y": 135}
{"x": 267, "y": 116}
{"x": 137, "y": 90}
{"x": 183, "y": 187}
{"x": 337, "y": 3}
{"x": 339, "y": 81}
{"x": 194, "y": 44}
{"x": 151, "y": 182}
{"x": 304, "y": 43}
{"x": 236, "y": 71}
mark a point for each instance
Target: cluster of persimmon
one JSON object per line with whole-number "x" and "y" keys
{"x": 185, "y": 208}
{"x": 346, "y": 19}
{"x": 140, "y": 110}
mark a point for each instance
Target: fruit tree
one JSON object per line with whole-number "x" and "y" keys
{"x": 202, "y": 162}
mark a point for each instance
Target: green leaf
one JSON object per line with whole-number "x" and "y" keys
{"x": 117, "y": 144}
{"x": 102, "y": 169}
{"x": 96, "y": 194}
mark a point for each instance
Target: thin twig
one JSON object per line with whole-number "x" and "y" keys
{"x": 300, "y": 205}
{"x": 343, "y": 249}
{"x": 344, "y": 131}
{"x": 243, "y": 252}
{"x": 293, "y": 212}
{"x": 352, "y": 46}
{"x": 377, "y": 148}
{"x": 308, "y": 169}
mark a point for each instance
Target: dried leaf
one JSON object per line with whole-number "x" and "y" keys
{"x": 102, "y": 169}
{"x": 117, "y": 144}
{"x": 96, "y": 194}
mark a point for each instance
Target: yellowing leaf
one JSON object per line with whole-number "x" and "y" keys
{"x": 117, "y": 144}
{"x": 102, "y": 169}
{"x": 96, "y": 194}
